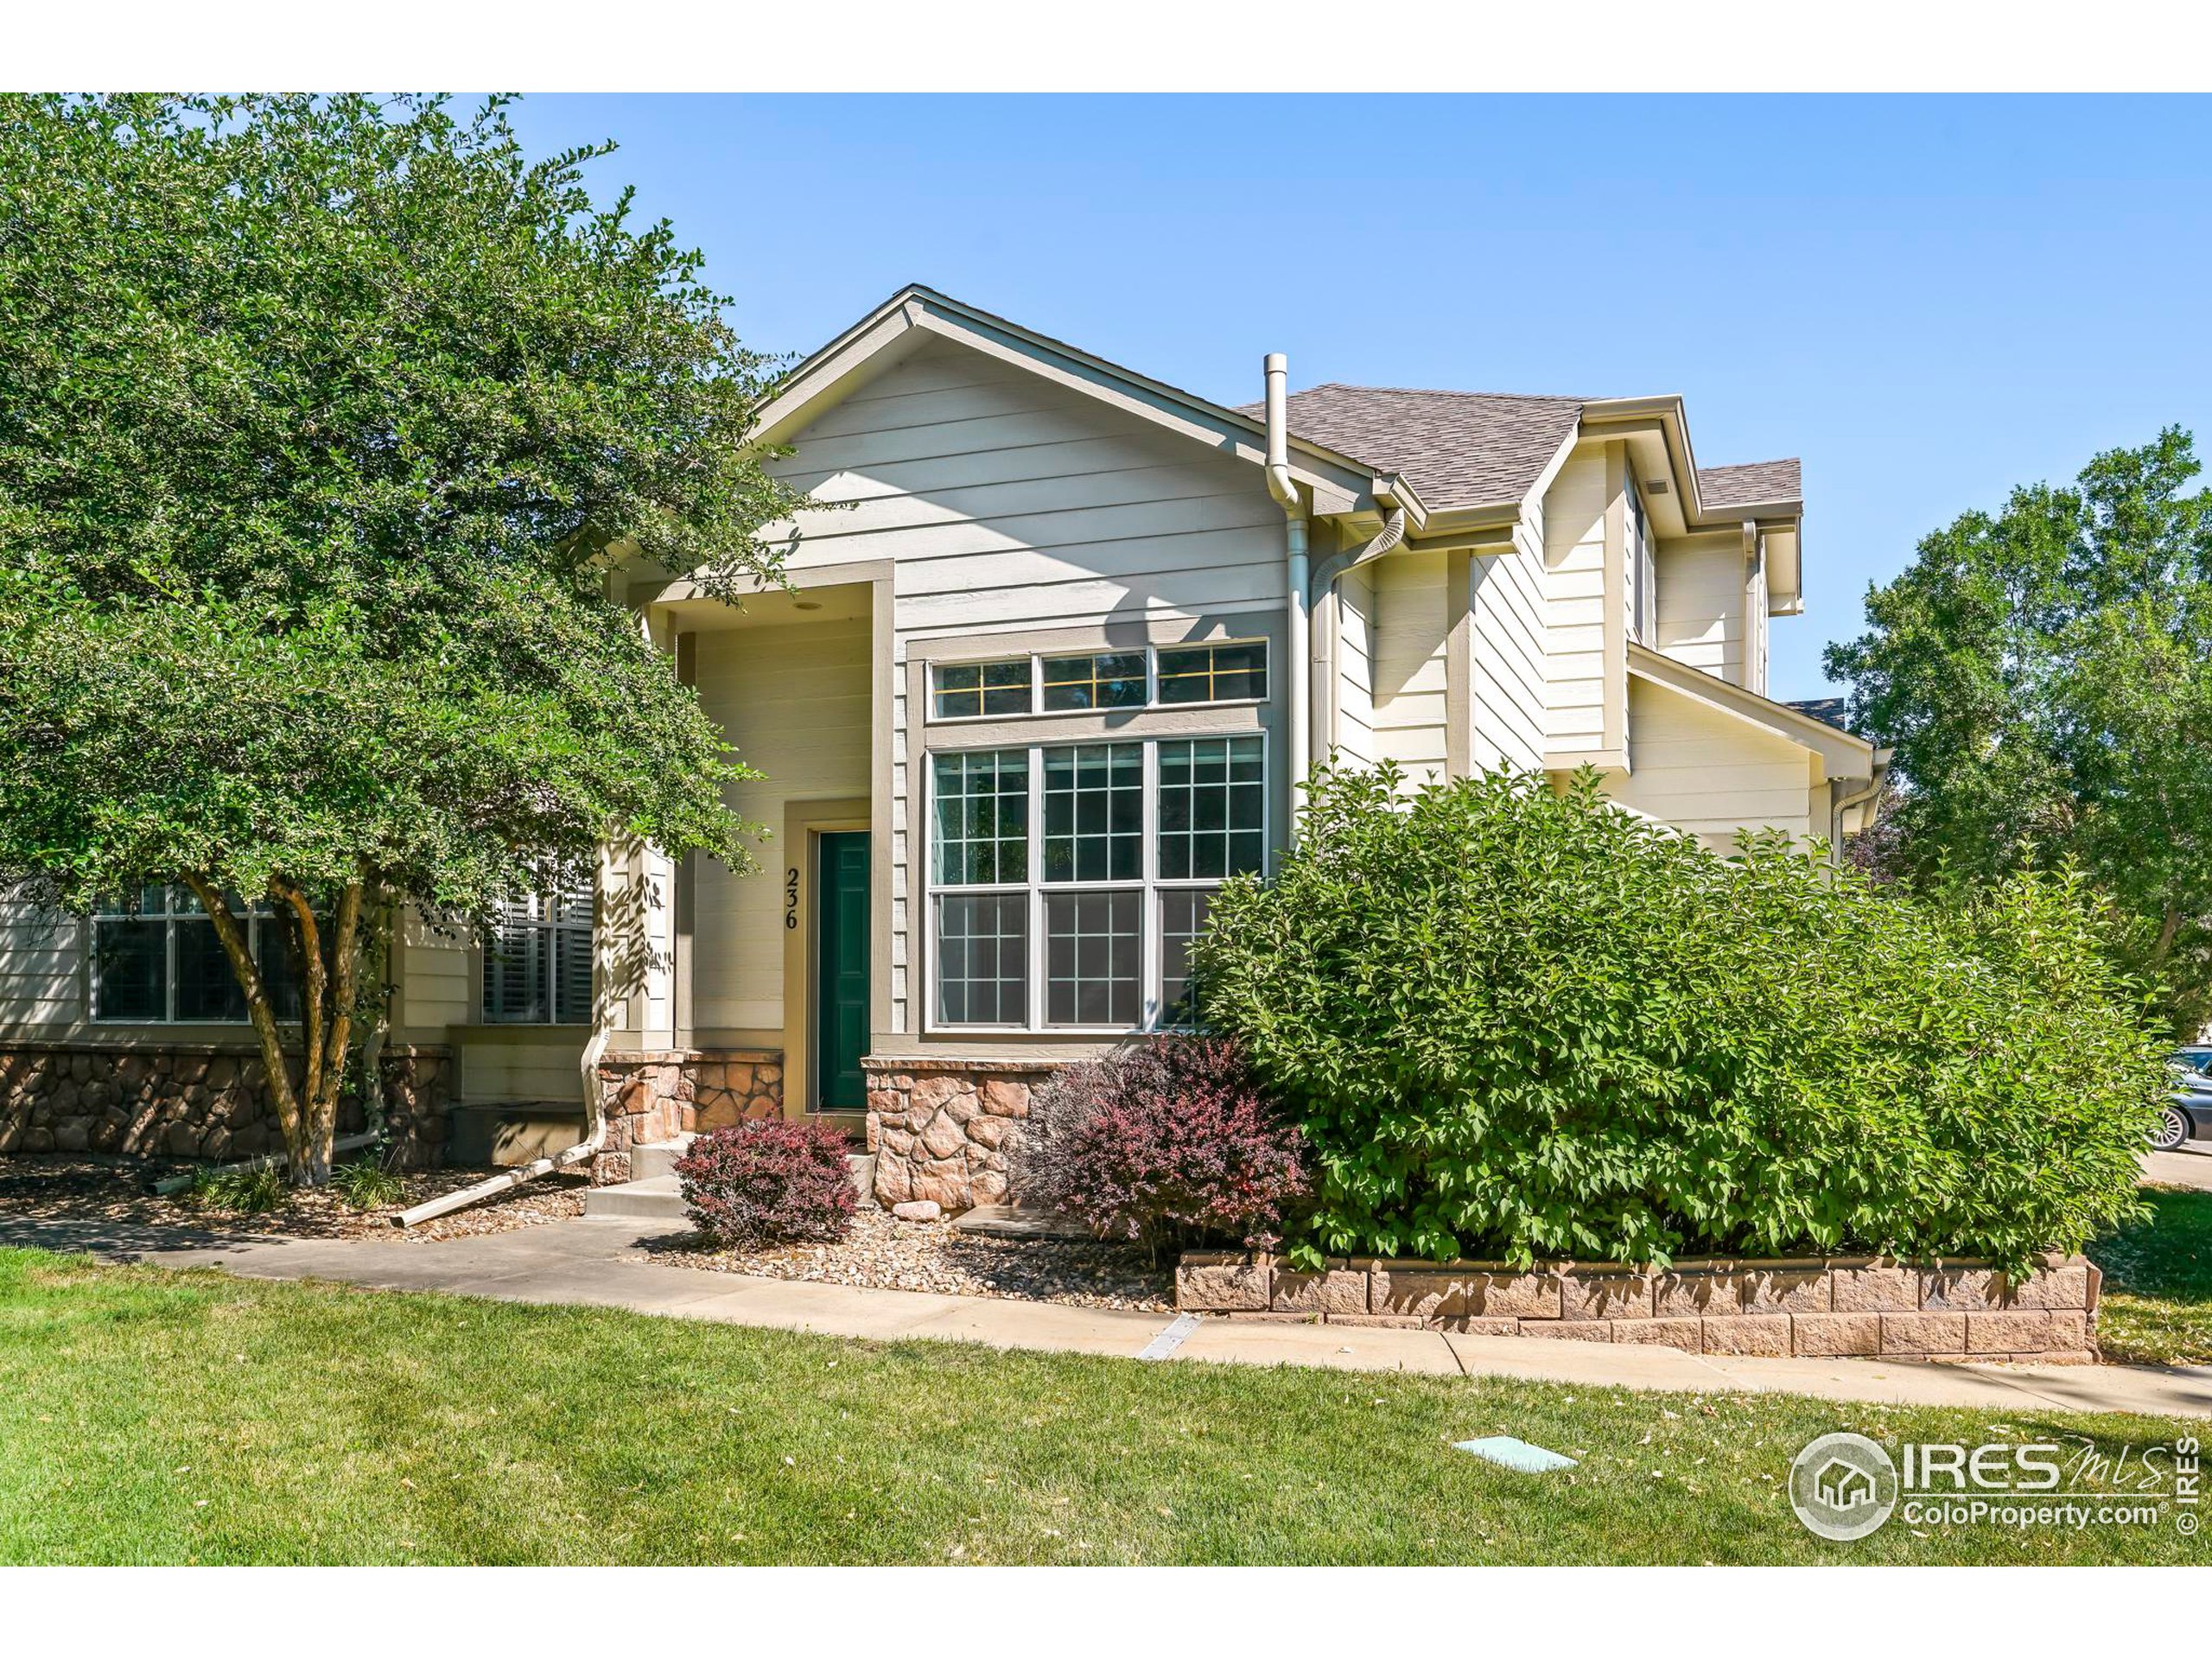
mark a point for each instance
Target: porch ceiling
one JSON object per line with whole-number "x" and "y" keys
{"x": 838, "y": 602}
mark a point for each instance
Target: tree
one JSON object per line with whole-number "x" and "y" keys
{"x": 330, "y": 432}
{"x": 2045, "y": 676}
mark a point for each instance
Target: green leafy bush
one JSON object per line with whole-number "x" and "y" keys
{"x": 1517, "y": 1022}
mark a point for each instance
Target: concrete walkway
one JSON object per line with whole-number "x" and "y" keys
{"x": 596, "y": 1263}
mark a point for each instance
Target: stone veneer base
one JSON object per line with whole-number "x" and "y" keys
{"x": 1857, "y": 1306}
{"x": 205, "y": 1100}
{"x": 655, "y": 1096}
{"x": 938, "y": 1129}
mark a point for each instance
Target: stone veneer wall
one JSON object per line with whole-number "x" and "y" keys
{"x": 1856, "y": 1307}
{"x": 938, "y": 1129}
{"x": 194, "y": 1100}
{"x": 659, "y": 1095}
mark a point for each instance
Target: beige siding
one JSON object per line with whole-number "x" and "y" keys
{"x": 795, "y": 703}
{"x": 517, "y": 1062}
{"x": 1574, "y": 601}
{"x": 436, "y": 986}
{"x": 1411, "y": 619}
{"x": 1709, "y": 774}
{"x": 1013, "y": 504}
{"x": 1701, "y": 620}
{"x": 42, "y": 969}
{"x": 1506, "y": 613}
{"x": 1355, "y": 734}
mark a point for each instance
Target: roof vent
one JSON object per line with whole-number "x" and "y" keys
{"x": 1655, "y": 486}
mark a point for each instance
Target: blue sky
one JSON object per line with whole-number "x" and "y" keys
{"x": 1930, "y": 301}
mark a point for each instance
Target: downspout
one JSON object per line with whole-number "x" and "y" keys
{"x": 1838, "y": 808}
{"x": 1297, "y": 646}
{"x": 604, "y": 1004}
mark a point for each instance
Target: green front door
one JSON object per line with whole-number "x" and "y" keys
{"x": 841, "y": 973}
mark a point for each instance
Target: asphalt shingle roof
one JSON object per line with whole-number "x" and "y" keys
{"x": 1456, "y": 449}
{"x": 1757, "y": 482}
{"x": 1474, "y": 448}
{"x": 1829, "y": 711}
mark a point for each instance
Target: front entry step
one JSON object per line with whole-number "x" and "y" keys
{"x": 656, "y": 1197}
{"x": 653, "y": 1194}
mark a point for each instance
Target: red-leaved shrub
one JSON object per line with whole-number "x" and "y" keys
{"x": 1165, "y": 1142}
{"x": 767, "y": 1181}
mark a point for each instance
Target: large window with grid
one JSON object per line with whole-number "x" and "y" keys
{"x": 157, "y": 960}
{"x": 537, "y": 960}
{"x": 1068, "y": 880}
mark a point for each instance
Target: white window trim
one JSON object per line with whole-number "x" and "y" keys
{"x": 1149, "y": 882}
{"x": 1037, "y": 710}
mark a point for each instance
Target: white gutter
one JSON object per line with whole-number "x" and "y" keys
{"x": 1297, "y": 647}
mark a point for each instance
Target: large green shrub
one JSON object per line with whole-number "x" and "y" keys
{"x": 1517, "y": 1022}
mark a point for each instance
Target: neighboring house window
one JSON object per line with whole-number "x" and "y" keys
{"x": 538, "y": 962}
{"x": 157, "y": 960}
{"x": 1067, "y": 880}
{"x": 1643, "y": 575}
{"x": 1165, "y": 676}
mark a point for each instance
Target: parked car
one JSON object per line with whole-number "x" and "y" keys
{"x": 2189, "y": 1112}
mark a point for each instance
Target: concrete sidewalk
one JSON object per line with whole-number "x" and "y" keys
{"x": 596, "y": 1263}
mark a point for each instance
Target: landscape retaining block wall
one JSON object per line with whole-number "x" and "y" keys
{"x": 1860, "y": 1306}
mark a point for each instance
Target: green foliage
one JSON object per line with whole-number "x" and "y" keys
{"x": 365, "y": 1184}
{"x": 2045, "y": 676}
{"x": 252, "y": 1192}
{"x": 1519, "y": 1023}
{"x": 322, "y": 423}
{"x": 334, "y": 435}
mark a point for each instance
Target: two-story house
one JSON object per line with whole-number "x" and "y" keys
{"x": 1056, "y": 652}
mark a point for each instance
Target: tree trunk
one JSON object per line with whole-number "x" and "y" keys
{"x": 236, "y": 946}
{"x": 326, "y": 1019}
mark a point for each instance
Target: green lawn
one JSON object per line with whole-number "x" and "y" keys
{"x": 147, "y": 1416}
{"x": 2157, "y": 1296}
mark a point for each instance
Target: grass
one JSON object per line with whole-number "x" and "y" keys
{"x": 149, "y": 1416}
{"x": 2156, "y": 1307}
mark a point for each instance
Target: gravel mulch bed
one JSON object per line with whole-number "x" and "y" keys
{"x": 117, "y": 1191}
{"x": 881, "y": 1253}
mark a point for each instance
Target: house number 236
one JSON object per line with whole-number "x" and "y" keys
{"x": 791, "y": 897}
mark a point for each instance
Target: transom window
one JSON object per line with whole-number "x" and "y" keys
{"x": 537, "y": 961}
{"x": 1213, "y": 673}
{"x": 156, "y": 959}
{"x": 1111, "y": 680}
{"x": 1068, "y": 880}
{"x": 969, "y": 690}
{"x": 1149, "y": 677}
